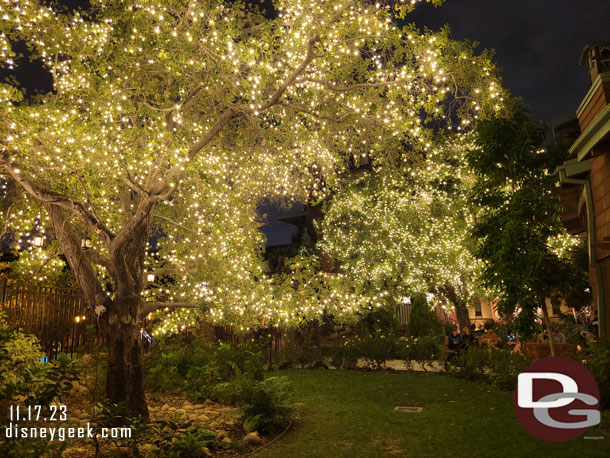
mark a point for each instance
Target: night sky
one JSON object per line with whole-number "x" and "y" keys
{"x": 538, "y": 44}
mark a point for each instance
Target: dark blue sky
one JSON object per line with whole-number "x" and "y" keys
{"x": 537, "y": 43}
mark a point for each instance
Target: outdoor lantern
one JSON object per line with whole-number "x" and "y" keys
{"x": 150, "y": 277}
{"x": 38, "y": 241}
{"x": 85, "y": 243}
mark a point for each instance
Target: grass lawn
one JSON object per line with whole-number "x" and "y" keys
{"x": 350, "y": 414}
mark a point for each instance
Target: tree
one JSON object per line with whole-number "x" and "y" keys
{"x": 522, "y": 241}
{"x": 406, "y": 230}
{"x": 170, "y": 122}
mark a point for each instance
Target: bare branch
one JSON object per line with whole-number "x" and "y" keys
{"x": 135, "y": 187}
{"x": 275, "y": 97}
{"x": 152, "y": 107}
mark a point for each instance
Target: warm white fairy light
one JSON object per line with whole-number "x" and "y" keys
{"x": 138, "y": 85}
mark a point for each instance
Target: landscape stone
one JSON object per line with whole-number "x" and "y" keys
{"x": 253, "y": 438}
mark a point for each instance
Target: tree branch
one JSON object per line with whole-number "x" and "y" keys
{"x": 351, "y": 87}
{"x": 171, "y": 221}
{"x": 97, "y": 258}
{"x": 47, "y": 197}
{"x": 148, "y": 307}
{"x": 81, "y": 266}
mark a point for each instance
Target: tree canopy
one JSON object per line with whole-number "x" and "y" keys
{"x": 169, "y": 122}
{"x": 399, "y": 232}
{"x": 181, "y": 117}
{"x": 526, "y": 250}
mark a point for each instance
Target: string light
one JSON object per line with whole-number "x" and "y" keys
{"x": 288, "y": 105}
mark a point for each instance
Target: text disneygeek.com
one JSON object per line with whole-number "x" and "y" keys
{"x": 14, "y": 431}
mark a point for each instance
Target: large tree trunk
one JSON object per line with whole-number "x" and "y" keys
{"x": 125, "y": 377}
{"x": 461, "y": 310}
{"x": 124, "y": 380}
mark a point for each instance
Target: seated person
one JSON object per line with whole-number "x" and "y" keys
{"x": 558, "y": 336}
{"x": 543, "y": 337}
{"x": 467, "y": 338}
{"x": 454, "y": 341}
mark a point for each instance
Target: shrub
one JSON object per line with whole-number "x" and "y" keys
{"x": 346, "y": 354}
{"x": 598, "y": 362}
{"x": 24, "y": 377}
{"x": 424, "y": 350}
{"x": 302, "y": 350}
{"x": 471, "y": 363}
{"x": 571, "y": 329}
{"x": 381, "y": 321}
{"x": 499, "y": 368}
{"x": 505, "y": 367}
{"x": 377, "y": 348}
{"x": 195, "y": 367}
{"x": 264, "y": 403}
{"x": 20, "y": 356}
{"x": 422, "y": 320}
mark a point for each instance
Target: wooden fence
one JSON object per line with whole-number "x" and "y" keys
{"x": 57, "y": 316}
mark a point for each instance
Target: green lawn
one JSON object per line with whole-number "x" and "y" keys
{"x": 350, "y": 414}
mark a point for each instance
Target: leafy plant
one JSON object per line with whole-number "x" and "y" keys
{"x": 423, "y": 321}
{"x": 197, "y": 366}
{"x": 423, "y": 349}
{"x": 598, "y": 362}
{"x": 109, "y": 415}
{"x": 346, "y": 354}
{"x": 181, "y": 440}
{"x": 265, "y": 404}
{"x": 505, "y": 367}
{"x": 377, "y": 348}
{"x": 499, "y": 368}
{"x": 24, "y": 377}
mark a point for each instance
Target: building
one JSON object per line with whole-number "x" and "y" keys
{"x": 585, "y": 178}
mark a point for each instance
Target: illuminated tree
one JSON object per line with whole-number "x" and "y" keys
{"x": 176, "y": 119}
{"x": 398, "y": 232}
{"x": 522, "y": 241}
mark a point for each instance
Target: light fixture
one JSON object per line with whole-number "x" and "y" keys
{"x": 150, "y": 277}
{"x": 85, "y": 243}
{"x": 38, "y": 240}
